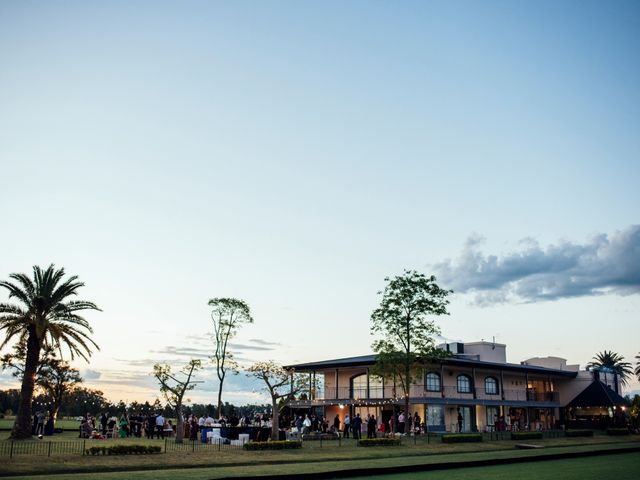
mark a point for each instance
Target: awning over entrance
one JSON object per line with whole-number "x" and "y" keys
{"x": 598, "y": 395}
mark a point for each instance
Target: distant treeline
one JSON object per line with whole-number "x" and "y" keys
{"x": 81, "y": 401}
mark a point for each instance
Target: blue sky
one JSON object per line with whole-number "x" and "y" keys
{"x": 293, "y": 154}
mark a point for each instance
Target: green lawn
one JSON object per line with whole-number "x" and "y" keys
{"x": 619, "y": 467}
{"x": 213, "y": 464}
{"x": 7, "y": 424}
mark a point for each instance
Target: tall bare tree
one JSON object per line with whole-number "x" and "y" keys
{"x": 276, "y": 379}
{"x": 228, "y": 315}
{"x": 174, "y": 388}
{"x": 43, "y": 316}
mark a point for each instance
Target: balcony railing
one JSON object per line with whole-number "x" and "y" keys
{"x": 377, "y": 393}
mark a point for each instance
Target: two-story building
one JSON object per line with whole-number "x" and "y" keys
{"x": 476, "y": 382}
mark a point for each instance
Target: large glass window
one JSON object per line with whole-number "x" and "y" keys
{"x": 376, "y": 387}
{"x": 432, "y": 382}
{"x": 464, "y": 384}
{"x": 435, "y": 417}
{"x": 491, "y": 386}
{"x": 492, "y": 415}
{"x": 359, "y": 386}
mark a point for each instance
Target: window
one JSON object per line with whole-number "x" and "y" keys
{"x": 492, "y": 415}
{"x": 435, "y": 418}
{"x": 376, "y": 387}
{"x": 464, "y": 384}
{"x": 491, "y": 386}
{"x": 432, "y": 382}
{"x": 359, "y": 386}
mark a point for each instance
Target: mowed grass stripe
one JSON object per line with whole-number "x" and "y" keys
{"x": 219, "y": 472}
{"x": 620, "y": 467}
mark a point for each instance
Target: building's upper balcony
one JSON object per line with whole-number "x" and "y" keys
{"x": 348, "y": 395}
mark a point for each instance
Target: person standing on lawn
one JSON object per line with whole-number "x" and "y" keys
{"x": 104, "y": 419}
{"x": 401, "y": 422}
{"x": 372, "y": 425}
{"x": 336, "y": 424}
{"x": 347, "y": 425}
{"x": 357, "y": 427}
{"x": 160, "y": 426}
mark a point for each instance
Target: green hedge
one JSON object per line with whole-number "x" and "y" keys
{"x": 579, "y": 433}
{"x": 461, "y": 437}
{"x": 617, "y": 431}
{"x": 379, "y": 442}
{"x": 124, "y": 450}
{"x": 526, "y": 436}
{"x": 276, "y": 445}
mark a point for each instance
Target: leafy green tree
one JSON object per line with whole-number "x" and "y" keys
{"x": 157, "y": 405}
{"x": 174, "y": 388}
{"x": 54, "y": 377}
{"x": 81, "y": 400}
{"x": 15, "y": 361}
{"x": 145, "y": 408}
{"x": 9, "y": 400}
{"x": 402, "y": 320}
{"x": 228, "y": 315}
{"x": 44, "y": 315}
{"x": 634, "y": 411}
{"x": 56, "y": 380}
{"x": 277, "y": 380}
{"x": 614, "y": 362}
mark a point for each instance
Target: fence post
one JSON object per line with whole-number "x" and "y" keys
{"x": 339, "y": 440}
{"x": 84, "y": 446}
{"x": 219, "y": 444}
{"x": 49, "y": 453}
{"x": 321, "y": 440}
{"x": 193, "y": 445}
{"x": 414, "y": 439}
{"x": 165, "y": 445}
{"x": 11, "y": 452}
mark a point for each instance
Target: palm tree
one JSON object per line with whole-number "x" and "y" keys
{"x": 613, "y": 361}
{"x": 43, "y": 317}
{"x": 637, "y": 372}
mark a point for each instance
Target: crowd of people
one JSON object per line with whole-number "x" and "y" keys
{"x": 152, "y": 426}
{"x": 43, "y": 423}
{"x": 356, "y": 426}
{"x": 126, "y": 426}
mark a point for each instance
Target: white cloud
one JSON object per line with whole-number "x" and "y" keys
{"x": 604, "y": 264}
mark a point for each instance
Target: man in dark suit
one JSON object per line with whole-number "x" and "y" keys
{"x": 371, "y": 427}
{"x": 357, "y": 426}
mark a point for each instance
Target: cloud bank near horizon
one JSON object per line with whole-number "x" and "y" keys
{"x": 605, "y": 264}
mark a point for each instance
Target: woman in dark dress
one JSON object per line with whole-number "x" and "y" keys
{"x": 194, "y": 429}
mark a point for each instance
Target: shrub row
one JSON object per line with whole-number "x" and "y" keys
{"x": 461, "y": 437}
{"x": 617, "y": 431}
{"x": 379, "y": 442}
{"x": 579, "y": 433}
{"x": 124, "y": 450}
{"x": 275, "y": 445}
{"x": 526, "y": 435}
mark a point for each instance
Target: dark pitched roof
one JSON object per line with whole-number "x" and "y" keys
{"x": 362, "y": 360}
{"x": 365, "y": 360}
{"x": 597, "y": 394}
